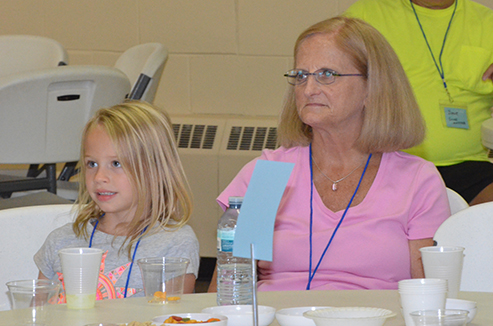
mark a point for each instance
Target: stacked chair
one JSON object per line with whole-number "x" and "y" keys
{"x": 143, "y": 64}
{"x": 43, "y": 111}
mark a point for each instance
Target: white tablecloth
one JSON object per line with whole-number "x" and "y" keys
{"x": 137, "y": 309}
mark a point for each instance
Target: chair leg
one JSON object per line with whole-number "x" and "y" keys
{"x": 34, "y": 170}
{"x": 51, "y": 176}
{"x": 68, "y": 171}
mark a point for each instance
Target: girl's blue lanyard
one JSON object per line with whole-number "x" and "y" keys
{"x": 133, "y": 256}
{"x": 310, "y": 274}
{"x": 440, "y": 69}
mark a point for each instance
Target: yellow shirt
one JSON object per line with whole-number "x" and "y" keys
{"x": 467, "y": 54}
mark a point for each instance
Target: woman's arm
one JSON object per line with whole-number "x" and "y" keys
{"x": 416, "y": 263}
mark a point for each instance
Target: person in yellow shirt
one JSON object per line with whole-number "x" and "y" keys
{"x": 446, "y": 49}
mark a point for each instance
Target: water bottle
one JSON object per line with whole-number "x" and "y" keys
{"x": 234, "y": 274}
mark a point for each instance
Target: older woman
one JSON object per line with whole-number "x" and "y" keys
{"x": 356, "y": 210}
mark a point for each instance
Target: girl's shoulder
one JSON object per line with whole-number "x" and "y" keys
{"x": 168, "y": 233}
{"x": 62, "y": 231}
{"x": 61, "y": 236}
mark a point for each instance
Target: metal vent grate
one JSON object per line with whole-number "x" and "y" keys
{"x": 195, "y": 136}
{"x": 252, "y": 138}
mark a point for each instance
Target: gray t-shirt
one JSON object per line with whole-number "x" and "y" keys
{"x": 116, "y": 263}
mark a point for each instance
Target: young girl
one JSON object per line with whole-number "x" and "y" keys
{"x": 133, "y": 201}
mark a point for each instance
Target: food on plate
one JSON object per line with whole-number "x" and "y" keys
{"x": 180, "y": 320}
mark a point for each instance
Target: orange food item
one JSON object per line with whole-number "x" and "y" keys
{"x": 159, "y": 294}
{"x": 180, "y": 320}
{"x": 173, "y": 298}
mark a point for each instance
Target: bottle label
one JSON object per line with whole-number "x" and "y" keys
{"x": 225, "y": 239}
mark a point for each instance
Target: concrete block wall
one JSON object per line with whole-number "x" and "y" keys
{"x": 226, "y": 56}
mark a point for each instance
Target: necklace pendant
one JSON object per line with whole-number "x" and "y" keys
{"x": 334, "y": 186}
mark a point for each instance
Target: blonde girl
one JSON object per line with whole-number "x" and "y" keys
{"x": 134, "y": 200}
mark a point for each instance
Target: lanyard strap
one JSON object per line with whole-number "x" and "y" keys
{"x": 440, "y": 69}
{"x": 310, "y": 274}
{"x": 133, "y": 256}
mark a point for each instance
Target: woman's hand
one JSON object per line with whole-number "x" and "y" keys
{"x": 488, "y": 74}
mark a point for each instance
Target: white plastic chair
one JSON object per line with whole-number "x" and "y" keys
{"x": 24, "y": 232}
{"x": 456, "y": 201}
{"x": 27, "y": 52}
{"x": 143, "y": 64}
{"x": 472, "y": 228}
{"x": 43, "y": 112}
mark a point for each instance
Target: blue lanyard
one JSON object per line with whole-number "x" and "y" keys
{"x": 440, "y": 69}
{"x": 310, "y": 274}
{"x": 133, "y": 256}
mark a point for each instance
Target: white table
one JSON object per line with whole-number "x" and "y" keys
{"x": 137, "y": 309}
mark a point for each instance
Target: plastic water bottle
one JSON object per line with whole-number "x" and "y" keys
{"x": 234, "y": 274}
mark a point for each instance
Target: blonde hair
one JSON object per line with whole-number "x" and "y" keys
{"x": 392, "y": 119}
{"x": 145, "y": 145}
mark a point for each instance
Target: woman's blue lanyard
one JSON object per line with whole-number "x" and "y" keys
{"x": 440, "y": 69}
{"x": 310, "y": 274}
{"x": 133, "y": 256}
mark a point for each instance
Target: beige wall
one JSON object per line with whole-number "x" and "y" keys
{"x": 226, "y": 56}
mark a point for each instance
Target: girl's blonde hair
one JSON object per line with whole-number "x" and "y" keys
{"x": 145, "y": 145}
{"x": 392, "y": 119}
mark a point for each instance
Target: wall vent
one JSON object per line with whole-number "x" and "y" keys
{"x": 198, "y": 136}
{"x": 244, "y": 138}
{"x": 252, "y": 138}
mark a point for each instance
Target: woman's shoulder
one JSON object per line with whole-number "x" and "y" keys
{"x": 402, "y": 162}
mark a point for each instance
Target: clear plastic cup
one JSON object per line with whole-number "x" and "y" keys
{"x": 444, "y": 262}
{"x": 163, "y": 278}
{"x": 80, "y": 267}
{"x": 29, "y": 299}
{"x": 440, "y": 317}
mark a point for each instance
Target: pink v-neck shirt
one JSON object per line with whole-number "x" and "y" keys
{"x": 407, "y": 201}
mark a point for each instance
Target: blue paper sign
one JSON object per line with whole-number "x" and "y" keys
{"x": 259, "y": 208}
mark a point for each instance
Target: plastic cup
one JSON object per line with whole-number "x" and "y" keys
{"x": 163, "y": 278}
{"x": 440, "y": 317}
{"x": 444, "y": 262}
{"x": 421, "y": 294}
{"x": 29, "y": 300}
{"x": 80, "y": 267}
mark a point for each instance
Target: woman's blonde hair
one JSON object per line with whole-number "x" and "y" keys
{"x": 392, "y": 119}
{"x": 145, "y": 145}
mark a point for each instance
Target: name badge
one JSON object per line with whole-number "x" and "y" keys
{"x": 455, "y": 115}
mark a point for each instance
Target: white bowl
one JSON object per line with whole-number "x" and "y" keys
{"x": 463, "y": 305}
{"x": 294, "y": 316}
{"x": 349, "y": 316}
{"x": 242, "y": 315}
{"x": 223, "y": 320}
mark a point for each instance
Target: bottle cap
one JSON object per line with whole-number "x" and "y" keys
{"x": 235, "y": 200}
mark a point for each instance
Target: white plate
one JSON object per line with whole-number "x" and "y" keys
{"x": 463, "y": 305}
{"x": 294, "y": 316}
{"x": 242, "y": 315}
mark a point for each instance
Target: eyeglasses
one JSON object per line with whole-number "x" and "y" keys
{"x": 323, "y": 76}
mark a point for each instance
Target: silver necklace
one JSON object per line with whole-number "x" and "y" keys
{"x": 334, "y": 183}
